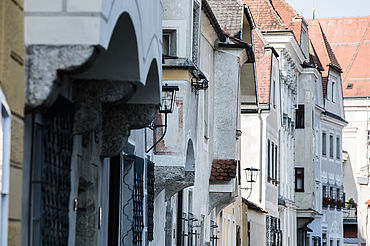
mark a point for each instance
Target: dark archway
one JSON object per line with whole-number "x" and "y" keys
{"x": 120, "y": 62}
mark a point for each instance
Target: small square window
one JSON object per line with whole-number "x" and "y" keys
{"x": 169, "y": 43}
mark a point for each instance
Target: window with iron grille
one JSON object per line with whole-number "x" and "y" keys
{"x": 138, "y": 199}
{"x": 273, "y": 232}
{"x": 50, "y": 176}
{"x": 150, "y": 199}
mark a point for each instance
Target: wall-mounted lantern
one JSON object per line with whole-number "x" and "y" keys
{"x": 167, "y": 106}
{"x": 251, "y": 177}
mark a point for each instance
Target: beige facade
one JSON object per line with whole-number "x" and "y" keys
{"x": 12, "y": 85}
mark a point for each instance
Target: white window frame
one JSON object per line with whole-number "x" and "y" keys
{"x": 5, "y": 130}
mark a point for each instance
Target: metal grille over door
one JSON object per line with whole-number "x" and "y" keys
{"x": 52, "y": 169}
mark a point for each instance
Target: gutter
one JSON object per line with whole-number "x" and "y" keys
{"x": 212, "y": 19}
{"x": 261, "y": 145}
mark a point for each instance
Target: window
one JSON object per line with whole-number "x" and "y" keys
{"x": 169, "y": 47}
{"x": 268, "y": 160}
{"x": 274, "y": 94}
{"x": 276, "y": 165}
{"x": 338, "y": 194}
{"x": 324, "y": 144}
{"x": 331, "y": 192}
{"x": 333, "y": 91}
{"x": 331, "y": 147}
{"x": 299, "y": 179}
{"x": 299, "y": 117}
{"x": 272, "y": 161}
{"x": 324, "y": 196}
{"x": 4, "y": 168}
{"x": 338, "y": 148}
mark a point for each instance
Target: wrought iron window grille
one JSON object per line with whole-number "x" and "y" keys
{"x": 214, "y": 238}
{"x": 150, "y": 199}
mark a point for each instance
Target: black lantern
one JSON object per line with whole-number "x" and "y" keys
{"x": 167, "y": 106}
{"x": 168, "y": 98}
{"x": 251, "y": 174}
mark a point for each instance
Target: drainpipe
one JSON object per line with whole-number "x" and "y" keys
{"x": 261, "y": 145}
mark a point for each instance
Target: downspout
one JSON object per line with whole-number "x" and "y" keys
{"x": 261, "y": 145}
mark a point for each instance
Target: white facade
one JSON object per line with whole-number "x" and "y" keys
{"x": 186, "y": 202}
{"x": 356, "y": 178}
{"x": 290, "y": 59}
{"x": 259, "y": 147}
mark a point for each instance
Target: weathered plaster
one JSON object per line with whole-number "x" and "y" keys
{"x": 173, "y": 179}
{"x": 42, "y": 65}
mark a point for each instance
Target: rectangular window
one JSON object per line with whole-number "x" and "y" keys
{"x": 274, "y": 95}
{"x": 299, "y": 117}
{"x": 324, "y": 144}
{"x": 169, "y": 47}
{"x": 276, "y": 161}
{"x": 331, "y": 146}
{"x": 268, "y": 160}
{"x": 333, "y": 91}
{"x": 324, "y": 196}
{"x": 299, "y": 179}
{"x": 338, "y": 194}
{"x": 272, "y": 161}
{"x": 338, "y": 148}
{"x": 331, "y": 192}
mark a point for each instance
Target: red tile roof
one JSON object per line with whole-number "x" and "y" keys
{"x": 367, "y": 202}
{"x": 223, "y": 170}
{"x": 263, "y": 67}
{"x": 265, "y": 16}
{"x": 276, "y": 15}
{"x": 350, "y": 39}
{"x": 290, "y": 17}
{"x": 323, "y": 49}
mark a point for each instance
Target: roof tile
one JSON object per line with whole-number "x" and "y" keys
{"x": 223, "y": 170}
{"x": 350, "y": 39}
{"x": 229, "y": 14}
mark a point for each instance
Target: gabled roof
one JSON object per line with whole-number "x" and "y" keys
{"x": 265, "y": 16}
{"x": 229, "y": 14}
{"x": 289, "y": 16}
{"x": 263, "y": 65}
{"x": 323, "y": 50}
{"x": 349, "y": 37}
{"x": 313, "y": 57}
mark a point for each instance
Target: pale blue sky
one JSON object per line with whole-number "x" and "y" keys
{"x": 331, "y": 8}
